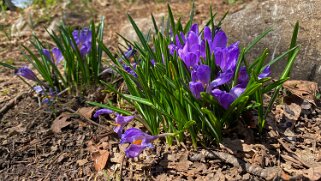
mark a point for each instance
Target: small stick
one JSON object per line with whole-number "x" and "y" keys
{"x": 266, "y": 173}
{"x": 12, "y": 103}
{"x": 293, "y": 154}
{"x": 89, "y": 120}
{"x": 121, "y": 166}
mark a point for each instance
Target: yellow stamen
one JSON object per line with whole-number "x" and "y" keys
{"x": 137, "y": 142}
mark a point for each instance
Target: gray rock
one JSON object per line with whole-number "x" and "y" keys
{"x": 144, "y": 24}
{"x": 281, "y": 15}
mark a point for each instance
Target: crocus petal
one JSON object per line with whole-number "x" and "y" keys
{"x": 38, "y": 89}
{"x": 101, "y": 112}
{"x": 57, "y": 55}
{"x": 243, "y": 77}
{"x": 130, "y": 52}
{"x": 180, "y": 42}
{"x": 207, "y": 34}
{"x": 194, "y": 28}
{"x": 233, "y": 54}
{"x": 203, "y": 73}
{"x": 193, "y": 41}
{"x": 133, "y": 134}
{"x": 85, "y": 49}
{"x": 225, "y": 99}
{"x": 221, "y": 57}
{"x": 46, "y": 52}
{"x": 223, "y": 78}
{"x": 266, "y": 72}
{"x": 26, "y": 73}
{"x": 191, "y": 60}
{"x": 237, "y": 90}
{"x": 83, "y": 39}
{"x": 220, "y": 39}
{"x": 122, "y": 120}
{"x": 196, "y": 89}
{"x": 134, "y": 150}
{"x": 118, "y": 129}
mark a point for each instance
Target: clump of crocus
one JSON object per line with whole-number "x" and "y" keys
{"x": 26, "y": 73}
{"x": 83, "y": 39}
{"x": 138, "y": 141}
{"x": 191, "y": 49}
{"x": 120, "y": 120}
{"x": 55, "y": 55}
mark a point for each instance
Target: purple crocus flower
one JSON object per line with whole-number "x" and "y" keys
{"x": 26, "y": 73}
{"x": 226, "y": 58}
{"x": 219, "y": 41}
{"x": 121, "y": 121}
{"x": 266, "y": 72}
{"x": 190, "y": 53}
{"x": 38, "y": 89}
{"x": 243, "y": 77}
{"x": 83, "y": 39}
{"x": 101, "y": 112}
{"x": 130, "y": 70}
{"x": 139, "y": 141}
{"x": 221, "y": 79}
{"x": 55, "y": 55}
{"x": 226, "y": 98}
{"x": 49, "y": 97}
{"x": 201, "y": 76}
{"x": 196, "y": 89}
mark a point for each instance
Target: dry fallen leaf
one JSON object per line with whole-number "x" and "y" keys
{"x": 313, "y": 173}
{"x": 82, "y": 162}
{"x": 87, "y": 112}
{"x": 306, "y": 90}
{"x": 100, "y": 159}
{"x": 292, "y": 111}
{"x": 60, "y": 122}
{"x": 17, "y": 129}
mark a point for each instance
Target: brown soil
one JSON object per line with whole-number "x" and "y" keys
{"x": 30, "y": 149}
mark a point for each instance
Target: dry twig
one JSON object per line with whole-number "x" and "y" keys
{"x": 266, "y": 173}
{"x": 12, "y": 103}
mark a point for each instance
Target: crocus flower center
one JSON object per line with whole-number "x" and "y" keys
{"x": 137, "y": 142}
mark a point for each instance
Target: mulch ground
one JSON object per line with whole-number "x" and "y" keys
{"x": 61, "y": 142}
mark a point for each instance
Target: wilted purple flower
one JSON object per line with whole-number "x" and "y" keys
{"x": 38, "y": 89}
{"x": 139, "y": 141}
{"x": 266, "y": 72}
{"x": 83, "y": 39}
{"x": 102, "y": 111}
{"x": 226, "y": 98}
{"x": 121, "y": 121}
{"x": 48, "y": 96}
{"x": 55, "y": 55}
{"x": 26, "y": 73}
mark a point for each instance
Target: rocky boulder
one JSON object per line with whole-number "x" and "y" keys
{"x": 281, "y": 15}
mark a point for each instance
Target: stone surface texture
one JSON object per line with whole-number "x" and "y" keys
{"x": 281, "y": 15}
